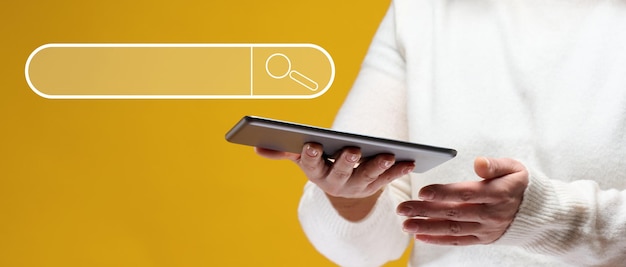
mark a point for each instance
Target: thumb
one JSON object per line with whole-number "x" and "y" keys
{"x": 489, "y": 168}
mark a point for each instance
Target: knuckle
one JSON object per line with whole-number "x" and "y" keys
{"x": 386, "y": 177}
{"x": 307, "y": 163}
{"x": 311, "y": 171}
{"x": 308, "y": 167}
{"x": 340, "y": 174}
{"x": 454, "y": 213}
{"x": 368, "y": 177}
{"x": 466, "y": 195}
{"x": 454, "y": 227}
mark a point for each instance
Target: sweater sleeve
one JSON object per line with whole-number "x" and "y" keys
{"x": 577, "y": 222}
{"x": 375, "y": 106}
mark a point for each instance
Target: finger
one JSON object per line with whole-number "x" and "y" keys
{"x": 275, "y": 154}
{"x": 495, "y": 216}
{"x": 465, "y": 192}
{"x": 396, "y": 171}
{"x": 490, "y": 168}
{"x": 342, "y": 168}
{"x": 440, "y": 227}
{"x": 311, "y": 161}
{"x": 445, "y": 210}
{"x": 368, "y": 171}
{"x": 450, "y": 240}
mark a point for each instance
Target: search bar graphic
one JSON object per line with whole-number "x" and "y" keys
{"x": 179, "y": 71}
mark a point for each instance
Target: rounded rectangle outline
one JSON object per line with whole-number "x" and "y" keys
{"x": 186, "y": 45}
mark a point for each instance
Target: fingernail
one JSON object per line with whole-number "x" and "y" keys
{"x": 311, "y": 152}
{"x": 488, "y": 163}
{"x": 387, "y": 164}
{"x": 352, "y": 157}
{"x": 407, "y": 170}
{"x": 405, "y": 210}
{"x": 427, "y": 194}
{"x": 410, "y": 227}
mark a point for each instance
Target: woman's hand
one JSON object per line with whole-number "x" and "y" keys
{"x": 348, "y": 176}
{"x": 467, "y": 213}
{"x": 352, "y": 184}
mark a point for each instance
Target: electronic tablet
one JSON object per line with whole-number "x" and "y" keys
{"x": 290, "y": 137}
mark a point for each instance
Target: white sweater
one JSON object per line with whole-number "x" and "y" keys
{"x": 541, "y": 81}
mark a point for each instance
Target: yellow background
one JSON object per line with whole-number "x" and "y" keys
{"x": 152, "y": 182}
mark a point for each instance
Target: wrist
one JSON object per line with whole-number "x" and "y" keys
{"x": 354, "y": 209}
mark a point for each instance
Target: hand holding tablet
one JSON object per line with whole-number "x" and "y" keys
{"x": 290, "y": 137}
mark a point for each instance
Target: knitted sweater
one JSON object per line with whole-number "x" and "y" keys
{"x": 540, "y": 81}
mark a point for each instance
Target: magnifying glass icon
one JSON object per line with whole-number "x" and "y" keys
{"x": 293, "y": 74}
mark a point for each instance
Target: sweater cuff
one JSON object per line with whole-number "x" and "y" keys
{"x": 545, "y": 210}
{"x": 369, "y": 242}
{"x": 316, "y": 211}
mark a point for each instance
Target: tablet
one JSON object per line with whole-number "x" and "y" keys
{"x": 290, "y": 137}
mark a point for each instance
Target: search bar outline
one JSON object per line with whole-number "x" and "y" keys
{"x": 252, "y": 95}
